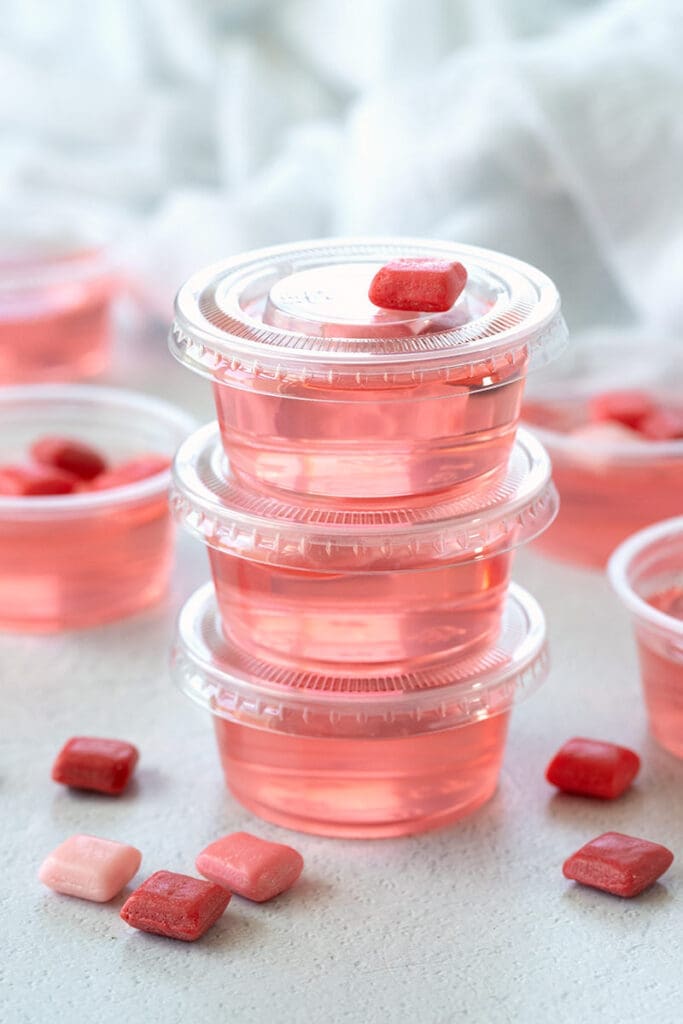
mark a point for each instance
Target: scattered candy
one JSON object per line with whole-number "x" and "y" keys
{"x": 85, "y": 762}
{"x": 70, "y": 456}
{"x": 620, "y": 864}
{"x": 249, "y": 866}
{"x": 628, "y": 407}
{"x": 593, "y": 768}
{"x": 90, "y": 868}
{"x": 132, "y": 471}
{"x": 177, "y": 906}
{"x": 24, "y": 481}
{"x": 423, "y": 285}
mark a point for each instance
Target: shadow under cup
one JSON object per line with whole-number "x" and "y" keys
{"x": 647, "y": 573}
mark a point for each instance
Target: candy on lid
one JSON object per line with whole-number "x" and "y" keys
{"x": 232, "y": 517}
{"x": 234, "y": 685}
{"x": 301, "y": 314}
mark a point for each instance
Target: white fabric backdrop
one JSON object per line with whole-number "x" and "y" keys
{"x": 552, "y": 130}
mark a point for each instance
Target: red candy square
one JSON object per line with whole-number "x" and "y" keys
{"x": 70, "y": 456}
{"x": 177, "y": 906}
{"x": 629, "y": 407}
{"x": 593, "y": 768}
{"x": 421, "y": 285}
{"x": 251, "y": 867}
{"x": 622, "y": 865}
{"x": 86, "y": 762}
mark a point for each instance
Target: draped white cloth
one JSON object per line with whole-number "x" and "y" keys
{"x": 553, "y": 131}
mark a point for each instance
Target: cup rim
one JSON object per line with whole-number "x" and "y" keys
{"x": 617, "y": 572}
{"x": 37, "y": 506}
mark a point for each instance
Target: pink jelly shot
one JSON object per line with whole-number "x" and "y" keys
{"x": 319, "y": 391}
{"x": 368, "y": 755}
{"x": 55, "y": 312}
{"x": 647, "y": 574}
{"x": 82, "y": 558}
{"x": 309, "y": 583}
{"x": 613, "y": 480}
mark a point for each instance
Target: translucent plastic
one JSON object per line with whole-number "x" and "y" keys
{"x": 380, "y": 754}
{"x": 76, "y": 560}
{"x": 55, "y": 313}
{"x": 608, "y": 489}
{"x": 647, "y": 574}
{"x": 311, "y": 583}
{"x": 321, "y": 393}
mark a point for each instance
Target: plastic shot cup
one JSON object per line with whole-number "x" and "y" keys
{"x": 611, "y": 482}
{"x": 380, "y": 754}
{"x": 321, "y": 393}
{"x": 311, "y": 583}
{"x": 58, "y": 284}
{"x": 76, "y": 560}
{"x": 646, "y": 572}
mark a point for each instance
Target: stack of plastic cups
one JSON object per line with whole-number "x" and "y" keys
{"x": 361, "y": 498}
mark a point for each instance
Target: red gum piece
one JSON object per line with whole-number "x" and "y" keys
{"x": 35, "y": 481}
{"x": 176, "y": 906}
{"x": 70, "y": 456}
{"x": 593, "y": 768}
{"x": 620, "y": 864}
{"x": 249, "y": 866}
{"x": 105, "y": 766}
{"x": 662, "y": 425}
{"x": 629, "y": 407}
{"x": 131, "y": 472}
{"x": 418, "y": 285}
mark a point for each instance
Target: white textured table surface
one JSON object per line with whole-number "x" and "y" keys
{"x": 473, "y": 923}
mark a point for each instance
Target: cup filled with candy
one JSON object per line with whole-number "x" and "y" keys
{"x": 646, "y": 572}
{"x": 85, "y": 530}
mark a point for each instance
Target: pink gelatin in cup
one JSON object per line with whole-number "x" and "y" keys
{"x": 382, "y": 753}
{"x": 58, "y": 283}
{"x": 313, "y": 583}
{"x": 75, "y": 560}
{"x": 647, "y": 573}
{"x": 612, "y": 480}
{"x": 322, "y": 393}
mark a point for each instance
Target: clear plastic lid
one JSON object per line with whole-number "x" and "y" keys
{"x": 301, "y": 314}
{"x": 232, "y": 517}
{"x": 234, "y": 685}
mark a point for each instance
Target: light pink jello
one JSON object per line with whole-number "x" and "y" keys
{"x": 647, "y": 574}
{"x": 76, "y": 560}
{"x": 321, "y": 393}
{"x": 612, "y": 481}
{"x": 311, "y": 583}
{"x": 382, "y": 753}
{"x": 57, "y": 286}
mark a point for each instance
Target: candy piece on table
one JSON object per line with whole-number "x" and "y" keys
{"x": 103, "y": 765}
{"x": 68, "y": 455}
{"x": 593, "y": 768}
{"x": 177, "y": 906}
{"x": 131, "y": 472}
{"x": 90, "y": 868}
{"x": 421, "y": 285}
{"x": 249, "y": 866}
{"x": 628, "y": 407}
{"x": 35, "y": 481}
{"x": 620, "y": 864}
{"x": 662, "y": 425}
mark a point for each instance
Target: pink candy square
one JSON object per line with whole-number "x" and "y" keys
{"x": 90, "y": 868}
{"x": 249, "y": 866}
